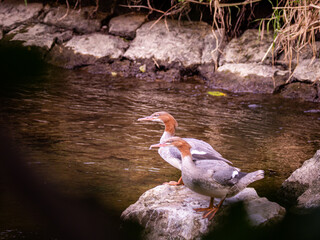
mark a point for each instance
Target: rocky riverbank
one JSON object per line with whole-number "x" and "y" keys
{"x": 302, "y": 189}
{"x": 166, "y": 212}
{"x": 129, "y": 45}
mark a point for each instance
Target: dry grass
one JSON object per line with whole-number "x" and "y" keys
{"x": 220, "y": 10}
{"x": 296, "y": 25}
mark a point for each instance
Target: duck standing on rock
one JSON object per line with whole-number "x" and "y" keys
{"x": 200, "y": 150}
{"x": 219, "y": 180}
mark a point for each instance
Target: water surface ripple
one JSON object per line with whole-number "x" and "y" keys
{"x": 81, "y": 132}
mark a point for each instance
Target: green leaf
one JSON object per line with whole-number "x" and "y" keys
{"x": 143, "y": 68}
{"x": 217, "y": 94}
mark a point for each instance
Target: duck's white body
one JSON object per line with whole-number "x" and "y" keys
{"x": 200, "y": 150}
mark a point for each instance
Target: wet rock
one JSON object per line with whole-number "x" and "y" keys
{"x": 126, "y": 25}
{"x": 303, "y": 186}
{"x": 1, "y": 34}
{"x": 304, "y": 91}
{"x": 87, "y": 49}
{"x": 78, "y": 20}
{"x": 250, "y": 77}
{"x": 13, "y": 13}
{"x": 248, "y": 48}
{"x": 40, "y": 35}
{"x": 166, "y": 212}
{"x": 207, "y": 71}
{"x": 172, "y": 41}
{"x": 308, "y": 70}
{"x": 171, "y": 75}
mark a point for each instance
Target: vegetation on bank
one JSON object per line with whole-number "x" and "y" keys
{"x": 295, "y": 24}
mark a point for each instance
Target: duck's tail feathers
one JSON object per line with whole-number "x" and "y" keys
{"x": 247, "y": 179}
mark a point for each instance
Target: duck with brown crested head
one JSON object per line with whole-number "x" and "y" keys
{"x": 200, "y": 150}
{"x": 219, "y": 180}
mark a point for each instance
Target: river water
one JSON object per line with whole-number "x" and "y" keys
{"x": 80, "y": 133}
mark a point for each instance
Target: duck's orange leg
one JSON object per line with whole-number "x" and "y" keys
{"x": 174, "y": 183}
{"x": 210, "y": 213}
{"x": 205, "y": 209}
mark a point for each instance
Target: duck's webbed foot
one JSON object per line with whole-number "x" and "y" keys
{"x": 205, "y": 209}
{"x": 174, "y": 183}
{"x": 210, "y": 211}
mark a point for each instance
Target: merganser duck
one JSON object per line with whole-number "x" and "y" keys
{"x": 219, "y": 180}
{"x": 200, "y": 150}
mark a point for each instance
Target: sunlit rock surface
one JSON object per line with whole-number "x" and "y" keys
{"x": 172, "y": 41}
{"x": 77, "y": 20}
{"x": 251, "y": 77}
{"x": 40, "y": 35}
{"x": 86, "y": 49}
{"x": 166, "y": 212}
{"x": 13, "y": 13}
{"x": 308, "y": 70}
{"x": 248, "y": 48}
{"x": 303, "y": 186}
{"x": 126, "y": 25}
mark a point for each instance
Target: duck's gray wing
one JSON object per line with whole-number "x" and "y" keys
{"x": 224, "y": 174}
{"x": 200, "y": 150}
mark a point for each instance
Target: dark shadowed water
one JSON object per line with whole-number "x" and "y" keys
{"x": 79, "y": 132}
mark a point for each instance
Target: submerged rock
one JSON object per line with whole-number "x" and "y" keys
{"x": 248, "y": 48}
{"x": 126, "y": 25}
{"x": 249, "y": 77}
{"x": 13, "y": 13}
{"x": 187, "y": 43}
{"x": 301, "y": 90}
{"x": 40, "y": 35}
{"x": 166, "y": 212}
{"x": 302, "y": 188}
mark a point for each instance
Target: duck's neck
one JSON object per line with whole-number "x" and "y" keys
{"x": 169, "y": 131}
{"x": 166, "y": 135}
{"x": 186, "y": 157}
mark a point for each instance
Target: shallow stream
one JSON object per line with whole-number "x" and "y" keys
{"x": 80, "y": 133}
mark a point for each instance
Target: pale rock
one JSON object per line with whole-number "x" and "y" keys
{"x": 126, "y": 25}
{"x": 13, "y": 13}
{"x": 249, "y": 77}
{"x": 308, "y": 70}
{"x": 302, "y": 187}
{"x": 98, "y": 45}
{"x": 40, "y": 35}
{"x": 166, "y": 212}
{"x": 86, "y": 49}
{"x": 308, "y": 52}
{"x": 77, "y": 20}
{"x": 244, "y": 69}
{"x": 248, "y": 48}
{"x": 170, "y": 41}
